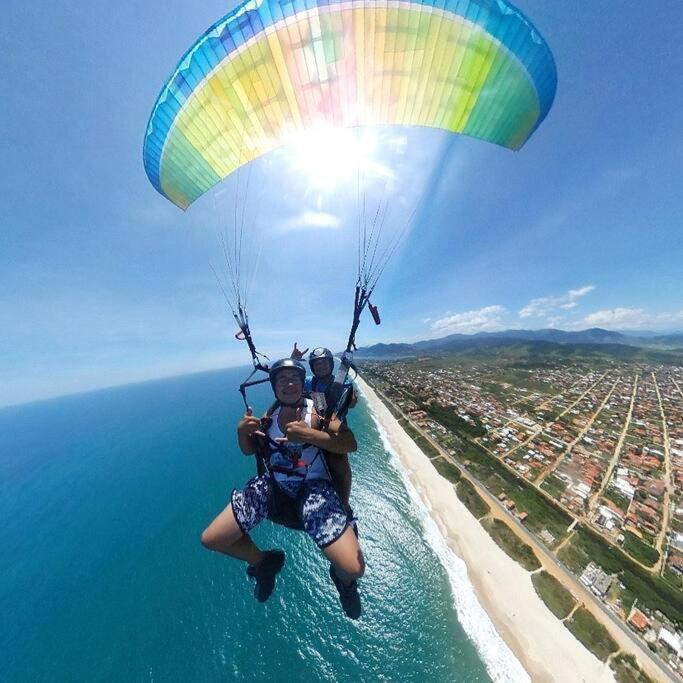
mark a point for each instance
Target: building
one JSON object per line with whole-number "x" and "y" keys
{"x": 670, "y": 640}
{"x": 639, "y": 621}
{"x": 624, "y": 487}
{"x": 596, "y": 579}
{"x": 601, "y": 584}
{"x": 608, "y": 518}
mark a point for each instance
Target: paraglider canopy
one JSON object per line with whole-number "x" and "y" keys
{"x": 271, "y": 69}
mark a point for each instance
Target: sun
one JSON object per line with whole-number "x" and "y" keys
{"x": 329, "y": 157}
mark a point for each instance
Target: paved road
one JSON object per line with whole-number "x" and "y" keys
{"x": 595, "y": 498}
{"x": 668, "y": 493}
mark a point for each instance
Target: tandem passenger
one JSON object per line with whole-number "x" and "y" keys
{"x": 298, "y": 478}
{"x": 321, "y": 363}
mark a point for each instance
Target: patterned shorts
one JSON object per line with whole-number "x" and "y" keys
{"x": 317, "y": 503}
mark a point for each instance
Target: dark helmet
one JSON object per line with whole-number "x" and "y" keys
{"x": 321, "y": 352}
{"x": 286, "y": 363}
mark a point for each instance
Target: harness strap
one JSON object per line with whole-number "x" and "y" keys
{"x": 289, "y": 472}
{"x": 273, "y": 447}
{"x": 285, "y": 508}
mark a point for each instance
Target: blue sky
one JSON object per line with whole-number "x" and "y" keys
{"x": 102, "y": 281}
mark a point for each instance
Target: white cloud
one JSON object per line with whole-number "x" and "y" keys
{"x": 482, "y": 320}
{"x": 546, "y": 305}
{"x": 309, "y": 220}
{"x": 554, "y": 321}
{"x": 633, "y": 319}
{"x": 620, "y": 317}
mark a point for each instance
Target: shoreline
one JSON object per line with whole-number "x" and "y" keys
{"x": 541, "y": 643}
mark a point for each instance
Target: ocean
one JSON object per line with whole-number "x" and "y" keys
{"x": 103, "y": 497}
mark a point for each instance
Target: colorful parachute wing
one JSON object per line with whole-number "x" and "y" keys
{"x": 273, "y": 68}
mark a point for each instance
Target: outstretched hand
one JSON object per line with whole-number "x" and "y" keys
{"x": 297, "y": 431}
{"x": 250, "y": 425}
{"x": 296, "y": 353}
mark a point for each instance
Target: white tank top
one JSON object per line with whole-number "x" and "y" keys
{"x": 311, "y": 455}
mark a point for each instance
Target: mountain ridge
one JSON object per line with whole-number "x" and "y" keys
{"x": 594, "y": 336}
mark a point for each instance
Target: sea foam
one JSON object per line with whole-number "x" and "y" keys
{"x": 500, "y": 662}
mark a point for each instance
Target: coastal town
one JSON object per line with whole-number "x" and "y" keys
{"x": 600, "y": 448}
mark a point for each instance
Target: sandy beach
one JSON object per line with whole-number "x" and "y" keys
{"x": 542, "y": 644}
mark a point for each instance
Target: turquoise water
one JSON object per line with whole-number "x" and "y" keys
{"x": 103, "y": 497}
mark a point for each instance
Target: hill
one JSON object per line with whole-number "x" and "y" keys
{"x": 542, "y": 346}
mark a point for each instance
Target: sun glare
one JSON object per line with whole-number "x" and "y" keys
{"x": 330, "y": 157}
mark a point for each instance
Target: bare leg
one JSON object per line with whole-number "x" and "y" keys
{"x": 346, "y": 557}
{"x": 225, "y": 536}
{"x": 340, "y": 469}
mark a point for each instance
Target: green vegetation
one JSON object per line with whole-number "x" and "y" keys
{"x": 513, "y": 359}
{"x": 411, "y": 431}
{"x": 447, "y": 469}
{"x": 472, "y": 500}
{"x": 423, "y": 444}
{"x": 673, "y": 578}
{"x": 554, "y": 486}
{"x": 652, "y": 591}
{"x": 550, "y": 414}
{"x": 511, "y": 544}
{"x": 448, "y": 418}
{"x": 626, "y": 669}
{"x": 524, "y": 406}
{"x": 495, "y": 389}
{"x": 426, "y": 447}
{"x": 393, "y": 410}
{"x": 640, "y": 496}
{"x": 640, "y": 551}
{"x": 556, "y": 597}
{"x": 592, "y": 634}
{"x": 573, "y": 557}
{"x": 542, "y": 513}
{"x": 408, "y": 428}
{"x": 546, "y": 354}
{"x": 621, "y": 501}
{"x": 521, "y": 378}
